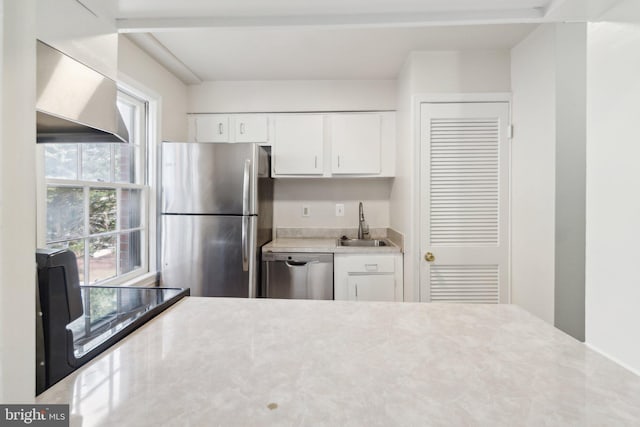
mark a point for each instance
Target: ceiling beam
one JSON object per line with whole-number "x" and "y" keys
{"x": 164, "y": 56}
{"x": 533, "y": 15}
{"x": 578, "y": 10}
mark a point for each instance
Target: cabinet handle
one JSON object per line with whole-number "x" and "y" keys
{"x": 315, "y": 162}
{"x": 195, "y": 136}
{"x": 219, "y": 128}
{"x": 371, "y": 267}
{"x": 241, "y": 128}
{"x": 338, "y": 162}
{"x": 356, "y": 291}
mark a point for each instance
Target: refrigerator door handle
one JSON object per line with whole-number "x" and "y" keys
{"x": 246, "y": 209}
{"x": 245, "y": 243}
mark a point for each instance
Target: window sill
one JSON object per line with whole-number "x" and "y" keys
{"x": 147, "y": 280}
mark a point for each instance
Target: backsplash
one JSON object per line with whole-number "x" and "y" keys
{"x": 321, "y": 196}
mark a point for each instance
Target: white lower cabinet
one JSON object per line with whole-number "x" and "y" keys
{"x": 368, "y": 277}
{"x": 371, "y": 287}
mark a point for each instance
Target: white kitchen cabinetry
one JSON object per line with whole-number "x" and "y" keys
{"x": 356, "y": 143}
{"x": 310, "y": 145}
{"x": 228, "y": 128}
{"x": 251, "y": 128}
{"x": 211, "y": 128}
{"x": 346, "y": 145}
{"x": 369, "y": 287}
{"x": 368, "y": 277}
{"x": 298, "y": 144}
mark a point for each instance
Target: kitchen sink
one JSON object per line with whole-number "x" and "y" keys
{"x": 363, "y": 242}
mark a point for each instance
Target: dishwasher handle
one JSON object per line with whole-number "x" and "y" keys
{"x": 296, "y": 263}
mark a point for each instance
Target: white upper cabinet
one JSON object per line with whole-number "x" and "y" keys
{"x": 356, "y": 143}
{"x": 298, "y": 144}
{"x": 211, "y": 128}
{"x": 251, "y": 128}
{"x": 327, "y": 144}
{"x": 228, "y": 128}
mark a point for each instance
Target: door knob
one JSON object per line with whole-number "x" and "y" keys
{"x": 429, "y": 257}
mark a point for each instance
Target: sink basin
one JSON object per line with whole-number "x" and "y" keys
{"x": 363, "y": 242}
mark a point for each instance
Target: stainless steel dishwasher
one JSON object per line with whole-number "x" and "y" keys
{"x": 297, "y": 275}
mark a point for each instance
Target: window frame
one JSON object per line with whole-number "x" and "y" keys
{"x": 86, "y": 236}
{"x": 146, "y": 130}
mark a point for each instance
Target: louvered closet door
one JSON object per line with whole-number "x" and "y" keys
{"x": 464, "y": 202}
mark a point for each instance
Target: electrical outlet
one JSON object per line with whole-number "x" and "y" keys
{"x": 306, "y": 210}
{"x": 339, "y": 209}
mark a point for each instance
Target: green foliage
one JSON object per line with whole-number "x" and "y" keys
{"x": 102, "y": 302}
{"x": 102, "y": 210}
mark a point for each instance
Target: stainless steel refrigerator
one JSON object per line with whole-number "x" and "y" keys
{"x": 217, "y": 212}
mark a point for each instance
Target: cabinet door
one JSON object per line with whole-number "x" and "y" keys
{"x": 298, "y": 145}
{"x": 211, "y": 128}
{"x": 366, "y": 287}
{"x": 251, "y": 128}
{"x": 355, "y": 143}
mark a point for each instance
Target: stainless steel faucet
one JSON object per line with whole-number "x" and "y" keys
{"x": 363, "y": 228}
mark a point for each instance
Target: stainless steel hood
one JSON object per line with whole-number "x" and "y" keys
{"x": 74, "y": 102}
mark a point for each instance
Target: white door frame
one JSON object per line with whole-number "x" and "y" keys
{"x": 417, "y": 100}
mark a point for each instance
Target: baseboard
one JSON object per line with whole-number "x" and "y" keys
{"x": 613, "y": 359}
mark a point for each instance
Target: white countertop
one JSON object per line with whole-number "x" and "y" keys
{"x": 323, "y": 245}
{"x": 242, "y": 362}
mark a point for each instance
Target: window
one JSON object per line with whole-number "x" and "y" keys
{"x": 97, "y": 198}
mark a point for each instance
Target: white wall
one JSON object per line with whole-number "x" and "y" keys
{"x": 533, "y": 173}
{"x": 17, "y": 202}
{"x": 291, "y": 95}
{"x": 135, "y": 64}
{"x": 424, "y": 73}
{"x": 548, "y": 174}
{"x": 571, "y": 150}
{"x": 402, "y": 200}
{"x": 321, "y": 195}
{"x": 613, "y": 202}
{"x": 461, "y": 71}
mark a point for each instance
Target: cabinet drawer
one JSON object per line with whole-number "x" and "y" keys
{"x": 368, "y": 264}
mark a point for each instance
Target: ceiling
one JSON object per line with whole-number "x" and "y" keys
{"x": 204, "y": 40}
{"x": 321, "y": 53}
{"x": 128, "y": 9}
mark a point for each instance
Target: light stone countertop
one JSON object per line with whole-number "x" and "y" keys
{"x": 257, "y": 362}
{"x": 301, "y": 244}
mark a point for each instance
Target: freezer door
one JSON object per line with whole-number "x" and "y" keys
{"x": 205, "y": 178}
{"x": 212, "y": 255}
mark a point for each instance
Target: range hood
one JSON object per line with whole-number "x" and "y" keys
{"x": 74, "y": 102}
